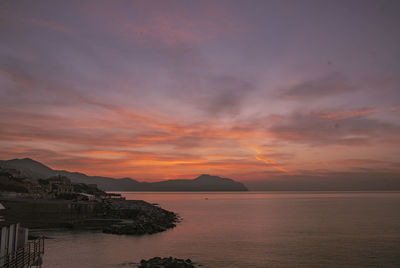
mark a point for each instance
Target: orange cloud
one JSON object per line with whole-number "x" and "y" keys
{"x": 267, "y": 161}
{"x": 111, "y": 139}
{"x": 166, "y": 24}
{"x": 395, "y": 108}
{"x": 345, "y": 114}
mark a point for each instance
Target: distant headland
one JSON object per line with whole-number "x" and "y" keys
{"x": 36, "y": 170}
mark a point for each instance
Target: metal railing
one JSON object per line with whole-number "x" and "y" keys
{"x": 27, "y": 256}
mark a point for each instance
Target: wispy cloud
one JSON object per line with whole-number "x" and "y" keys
{"x": 344, "y": 114}
{"x": 18, "y": 16}
{"x": 167, "y": 24}
{"x": 331, "y": 84}
{"x": 341, "y": 128}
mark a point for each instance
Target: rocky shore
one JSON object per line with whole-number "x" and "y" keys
{"x": 131, "y": 217}
{"x": 137, "y": 217}
{"x": 170, "y": 262}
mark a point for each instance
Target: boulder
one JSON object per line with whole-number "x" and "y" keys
{"x": 158, "y": 262}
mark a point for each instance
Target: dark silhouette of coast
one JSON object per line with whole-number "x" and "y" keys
{"x": 134, "y": 217}
{"x": 35, "y": 170}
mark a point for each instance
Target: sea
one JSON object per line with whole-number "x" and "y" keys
{"x": 250, "y": 229}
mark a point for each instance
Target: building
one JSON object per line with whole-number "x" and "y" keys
{"x": 1, "y": 208}
{"x": 59, "y": 180}
{"x": 15, "y": 249}
{"x": 35, "y": 187}
{"x": 62, "y": 189}
{"x": 61, "y": 185}
{"x": 114, "y": 196}
{"x": 86, "y": 197}
{"x": 12, "y": 237}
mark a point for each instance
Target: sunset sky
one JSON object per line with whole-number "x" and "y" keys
{"x": 250, "y": 90}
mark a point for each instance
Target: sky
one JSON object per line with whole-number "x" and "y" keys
{"x": 154, "y": 90}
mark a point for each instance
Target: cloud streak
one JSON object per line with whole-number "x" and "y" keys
{"x": 328, "y": 85}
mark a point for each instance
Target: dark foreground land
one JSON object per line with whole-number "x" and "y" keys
{"x": 170, "y": 262}
{"x": 132, "y": 217}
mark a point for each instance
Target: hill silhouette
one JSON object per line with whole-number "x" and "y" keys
{"x": 36, "y": 170}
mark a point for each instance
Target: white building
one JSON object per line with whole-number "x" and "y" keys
{"x": 1, "y": 208}
{"x": 15, "y": 249}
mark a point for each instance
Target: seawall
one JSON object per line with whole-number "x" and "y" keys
{"x": 48, "y": 213}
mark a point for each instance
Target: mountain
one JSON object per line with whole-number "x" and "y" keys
{"x": 36, "y": 170}
{"x": 30, "y": 168}
{"x": 202, "y": 183}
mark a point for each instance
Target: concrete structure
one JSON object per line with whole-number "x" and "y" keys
{"x": 12, "y": 238}
{"x": 114, "y": 196}
{"x": 1, "y": 217}
{"x": 88, "y": 197}
{"x": 15, "y": 249}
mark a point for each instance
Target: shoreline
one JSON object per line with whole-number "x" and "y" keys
{"x": 132, "y": 217}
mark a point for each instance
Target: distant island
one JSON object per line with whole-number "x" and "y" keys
{"x": 36, "y": 170}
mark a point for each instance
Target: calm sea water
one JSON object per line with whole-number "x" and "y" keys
{"x": 251, "y": 229}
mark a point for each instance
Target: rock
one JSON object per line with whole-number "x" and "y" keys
{"x": 158, "y": 262}
{"x": 138, "y": 217}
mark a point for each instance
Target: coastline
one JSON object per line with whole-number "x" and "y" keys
{"x": 212, "y": 228}
{"x": 133, "y": 217}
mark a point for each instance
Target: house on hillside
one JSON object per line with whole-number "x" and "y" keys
{"x": 59, "y": 180}
{"x": 37, "y": 187}
{"x": 92, "y": 186}
{"x": 86, "y": 197}
{"x": 61, "y": 185}
{"x": 113, "y": 196}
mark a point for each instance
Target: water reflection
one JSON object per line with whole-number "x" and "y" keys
{"x": 255, "y": 229}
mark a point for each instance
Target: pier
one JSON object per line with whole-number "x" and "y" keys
{"x": 30, "y": 255}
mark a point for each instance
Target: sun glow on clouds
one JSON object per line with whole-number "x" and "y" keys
{"x": 177, "y": 89}
{"x": 269, "y": 162}
{"x": 345, "y": 114}
{"x": 140, "y": 142}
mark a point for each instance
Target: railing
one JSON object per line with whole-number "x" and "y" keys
{"x": 26, "y": 256}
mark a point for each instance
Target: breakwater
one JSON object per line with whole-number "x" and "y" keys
{"x": 37, "y": 213}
